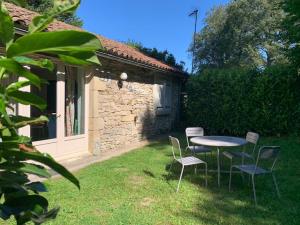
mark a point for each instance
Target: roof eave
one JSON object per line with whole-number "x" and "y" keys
{"x": 123, "y": 60}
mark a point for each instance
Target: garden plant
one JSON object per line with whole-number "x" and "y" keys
{"x": 20, "y": 197}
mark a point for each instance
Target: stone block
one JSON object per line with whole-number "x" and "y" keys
{"x": 124, "y": 113}
{"x": 96, "y": 123}
{"x": 99, "y": 85}
{"x": 128, "y": 118}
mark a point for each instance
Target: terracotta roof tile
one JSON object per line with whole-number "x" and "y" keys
{"x": 24, "y": 16}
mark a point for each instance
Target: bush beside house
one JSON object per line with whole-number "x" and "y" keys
{"x": 234, "y": 101}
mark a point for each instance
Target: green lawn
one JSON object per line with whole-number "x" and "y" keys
{"x": 134, "y": 189}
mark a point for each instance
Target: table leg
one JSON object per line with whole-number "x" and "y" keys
{"x": 218, "y": 159}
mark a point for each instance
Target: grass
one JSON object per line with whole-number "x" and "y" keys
{"x": 135, "y": 189}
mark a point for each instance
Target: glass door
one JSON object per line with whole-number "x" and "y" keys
{"x": 64, "y": 136}
{"x": 48, "y": 93}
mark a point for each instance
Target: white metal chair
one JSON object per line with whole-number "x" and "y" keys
{"x": 266, "y": 153}
{"x": 191, "y": 132}
{"x": 252, "y": 138}
{"x": 184, "y": 161}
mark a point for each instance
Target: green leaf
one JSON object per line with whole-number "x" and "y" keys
{"x": 6, "y": 132}
{"x": 44, "y": 217}
{"x": 34, "y": 169}
{"x": 44, "y": 63}
{"x": 4, "y": 114}
{"x": 54, "y": 42}
{"x": 36, "y": 187}
{"x": 41, "y": 22}
{"x": 28, "y": 98}
{"x": 24, "y": 121}
{"x": 26, "y": 203}
{"x": 11, "y": 177}
{"x": 4, "y": 212}
{"x": 26, "y": 168}
{"x": 61, "y": 6}
{"x": 6, "y": 26}
{"x": 15, "y": 68}
{"x": 16, "y": 140}
{"x": 80, "y": 58}
{"x": 17, "y": 85}
{"x": 45, "y": 159}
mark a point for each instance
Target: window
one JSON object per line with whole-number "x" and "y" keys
{"x": 162, "y": 96}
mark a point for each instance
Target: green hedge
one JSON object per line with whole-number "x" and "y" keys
{"x": 234, "y": 101}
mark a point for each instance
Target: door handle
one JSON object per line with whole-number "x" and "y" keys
{"x": 56, "y": 115}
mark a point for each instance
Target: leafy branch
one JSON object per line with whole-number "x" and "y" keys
{"x": 21, "y": 197}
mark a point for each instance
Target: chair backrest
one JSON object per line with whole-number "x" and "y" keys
{"x": 193, "y": 132}
{"x": 268, "y": 153}
{"x": 252, "y": 138}
{"x": 176, "y": 150}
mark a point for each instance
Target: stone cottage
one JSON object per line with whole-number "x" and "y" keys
{"x": 129, "y": 99}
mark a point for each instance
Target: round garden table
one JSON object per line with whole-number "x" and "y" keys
{"x": 219, "y": 142}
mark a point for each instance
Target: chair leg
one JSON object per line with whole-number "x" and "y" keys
{"x": 230, "y": 175}
{"x": 218, "y": 160}
{"x": 276, "y": 186}
{"x": 254, "y": 191}
{"x": 205, "y": 174}
{"x": 180, "y": 178}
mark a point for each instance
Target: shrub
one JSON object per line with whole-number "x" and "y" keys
{"x": 234, "y": 101}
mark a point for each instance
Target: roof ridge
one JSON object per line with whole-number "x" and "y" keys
{"x": 111, "y": 46}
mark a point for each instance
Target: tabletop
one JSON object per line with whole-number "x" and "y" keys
{"x": 219, "y": 141}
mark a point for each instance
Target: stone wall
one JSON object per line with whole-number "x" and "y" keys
{"x": 121, "y": 117}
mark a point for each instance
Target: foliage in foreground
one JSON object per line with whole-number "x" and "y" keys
{"x": 234, "y": 101}
{"x": 20, "y": 197}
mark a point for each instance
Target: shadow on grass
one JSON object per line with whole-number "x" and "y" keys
{"x": 238, "y": 206}
{"x": 149, "y": 173}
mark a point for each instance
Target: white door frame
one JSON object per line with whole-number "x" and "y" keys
{"x": 61, "y": 147}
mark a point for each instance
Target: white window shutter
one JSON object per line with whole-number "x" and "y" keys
{"x": 168, "y": 95}
{"x": 162, "y": 91}
{"x": 158, "y": 96}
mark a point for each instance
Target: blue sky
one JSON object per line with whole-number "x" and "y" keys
{"x": 163, "y": 24}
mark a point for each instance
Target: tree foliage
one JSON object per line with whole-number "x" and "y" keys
{"x": 242, "y": 33}
{"x": 292, "y": 27}
{"x": 163, "y": 56}
{"x": 19, "y": 196}
{"x": 44, "y": 6}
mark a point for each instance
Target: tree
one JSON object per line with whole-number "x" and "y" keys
{"x": 44, "y": 6}
{"x": 19, "y": 196}
{"x": 291, "y": 25}
{"x": 163, "y": 56}
{"x": 244, "y": 32}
